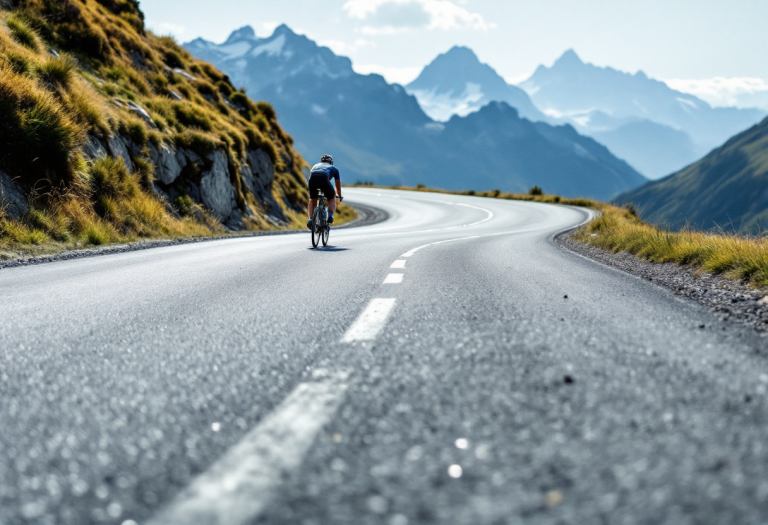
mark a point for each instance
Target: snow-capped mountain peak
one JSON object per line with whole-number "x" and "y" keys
{"x": 244, "y": 33}
{"x": 457, "y": 83}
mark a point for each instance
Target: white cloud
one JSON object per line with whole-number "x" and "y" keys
{"x": 396, "y": 16}
{"x": 344, "y": 48}
{"x": 166, "y": 28}
{"x": 393, "y": 75}
{"x": 269, "y": 27}
{"x": 721, "y": 91}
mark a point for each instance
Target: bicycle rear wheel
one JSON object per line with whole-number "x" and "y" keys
{"x": 326, "y": 234}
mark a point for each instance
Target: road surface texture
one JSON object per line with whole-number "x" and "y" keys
{"x": 450, "y": 365}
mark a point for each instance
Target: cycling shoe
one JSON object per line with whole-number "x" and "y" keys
{"x": 330, "y": 219}
{"x": 309, "y": 224}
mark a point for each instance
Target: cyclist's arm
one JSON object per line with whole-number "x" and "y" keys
{"x": 338, "y": 188}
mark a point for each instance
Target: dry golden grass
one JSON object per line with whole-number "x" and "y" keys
{"x": 734, "y": 256}
{"x": 617, "y": 229}
{"x": 49, "y": 105}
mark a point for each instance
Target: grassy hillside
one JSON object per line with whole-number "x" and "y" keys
{"x": 727, "y": 189}
{"x": 110, "y": 133}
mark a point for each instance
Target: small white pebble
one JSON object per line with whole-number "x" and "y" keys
{"x": 462, "y": 444}
{"x": 377, "y": 505}
{"x": 455, "y": 471}
{"x": 114, "y": 509}
{"x": 216, "y": 427}
{"x": 398, "y": 519}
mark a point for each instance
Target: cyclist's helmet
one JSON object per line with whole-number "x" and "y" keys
{"x": 327, "y": 159}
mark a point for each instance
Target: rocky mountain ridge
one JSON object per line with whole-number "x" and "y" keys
{"x": 634, "y": 115}
{"x": 380, "y": 133}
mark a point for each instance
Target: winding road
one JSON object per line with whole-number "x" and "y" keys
{"x": 450, "y": 365}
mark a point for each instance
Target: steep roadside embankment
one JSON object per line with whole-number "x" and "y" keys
{"x": 112, "y": 134}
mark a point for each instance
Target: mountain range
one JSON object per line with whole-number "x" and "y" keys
{"x": 379, "y": 132}
{"x": 656, "y": 129}
{"x": 726, "y": 189}
{"x": 457, "y": 83}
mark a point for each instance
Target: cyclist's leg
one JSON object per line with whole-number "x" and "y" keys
{"x": 311, "y": 207}
{"x": 330, "y": 193}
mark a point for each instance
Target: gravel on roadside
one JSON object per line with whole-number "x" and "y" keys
{"x": 730, "y": 300}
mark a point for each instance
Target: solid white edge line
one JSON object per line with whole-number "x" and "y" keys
{"x": 394, "y": 278}
{"x": 237, "y": 488}
{"x": 371, "y": 321}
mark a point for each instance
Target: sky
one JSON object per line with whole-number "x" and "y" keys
{"x": 715, "y": 49}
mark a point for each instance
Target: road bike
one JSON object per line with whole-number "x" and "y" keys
{"x": 321, "y": 230}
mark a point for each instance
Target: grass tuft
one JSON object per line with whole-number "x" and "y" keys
{"x": 23, "y": 34}
{"x": 58, "y": 71}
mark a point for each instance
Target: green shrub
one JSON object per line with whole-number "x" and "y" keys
{"x": 173, "y": 59}
{"x": 110, "y": 178}
{"x": 201, "y": 143}
{"x": 266, "y": 109}
{"x": 224, "y": 88}
{"x": 184, "y": 205}
{"x": 96, "y": 234}
{"x": 23, "y": 34}
{"x": 261, "y": 123}
{"x": 191, "y": 116}
{"x": 240, "y": 100}
{"x": 57, "y": 71}
{"x": 37, "y": 135}
{"x": 19, "y": 63}
{"x": 135, "y": 130}
{"x": 535, "y": 191}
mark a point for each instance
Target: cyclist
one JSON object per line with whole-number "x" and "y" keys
{"x": 320, "y": 179}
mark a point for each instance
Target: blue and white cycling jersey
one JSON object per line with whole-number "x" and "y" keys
{"x": 328, "y": 170}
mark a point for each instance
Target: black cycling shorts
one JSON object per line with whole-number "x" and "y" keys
{"x": 321, "y": 183}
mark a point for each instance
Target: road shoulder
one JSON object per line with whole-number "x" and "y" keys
{"x": 729, "y": 299}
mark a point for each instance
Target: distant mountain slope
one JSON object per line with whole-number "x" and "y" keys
{"x": 457, "y": 83}
{"x": 653, "y": 148}
{"x": 505, "y": 149}
{"x": 601, "y": 99}
{"x": 379, "y": 132}
{"x": 728, "y": 188}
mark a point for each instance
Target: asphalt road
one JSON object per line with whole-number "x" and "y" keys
{"x": 257, "y": 381}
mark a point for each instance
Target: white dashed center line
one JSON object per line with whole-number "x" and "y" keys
{"x": 371, "y": 321}
{"x": 400, "y": 263}
{"x": 394, "y": 278}
{"x": 237, "y": 488}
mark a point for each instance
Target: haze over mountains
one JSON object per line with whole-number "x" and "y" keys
{"x": 655, "y": 128}
{"x": 383, "y": 135}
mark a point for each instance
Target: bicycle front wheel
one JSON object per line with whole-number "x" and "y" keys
{"x": 326, "y": 234}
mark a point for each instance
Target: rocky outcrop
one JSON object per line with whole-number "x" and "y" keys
{"x": 167, "y": 167}
{"x": 117, "y": 149}
{"x": 94, "y": 149}
{"x": 216, "y": 190}
{"x": 258, "y": 174}
{"x": 207, "y": 181}
{"x": 12, "y": 201}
